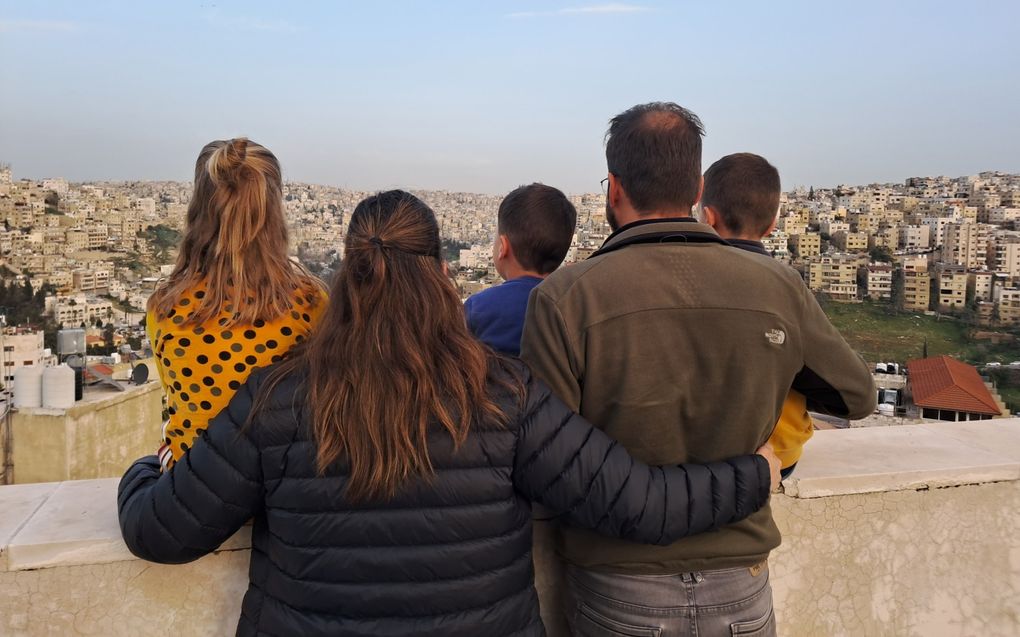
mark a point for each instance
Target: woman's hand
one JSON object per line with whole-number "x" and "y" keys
{"x": 767, "y": 452}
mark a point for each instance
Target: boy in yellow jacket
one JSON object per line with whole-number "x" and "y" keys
{"x": 741, "y": 202}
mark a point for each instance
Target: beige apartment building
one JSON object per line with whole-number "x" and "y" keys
{"x": 74, "y": 311}
{"x": 913, "y": 262}
{"x": 91, "y": 281}
{"x": 885, "y": 237}
{"x": 792, "y": 225}
{"x": 1009, "y": 306}
{"x": 985, "y": 199}
{"x": 806, "y": 244}
{"x": 77, "y": 240}
{"x": 916, "y": 290}
{"x": 1007, "y": 259}
{"x": 864, "y": 222}
{"x": 98, "y": 233}
{"x": 1002, "y": 215}
{"x": 832, "y": 226}
{"x": 967, "y": 244}
{"x": 893, "y": 217}
{"x": 1010, "y": 198}
{"x": 835, "y": 276}
{"x": 879, "y": 281}
{"x": 983, "y": 282}
{"x": 952, "y": 287}
{"x": 21, "y": 348}
{"x": 850, "y": 241}
{"x": 937, "y": 229}
{"x": 915, "y": 237}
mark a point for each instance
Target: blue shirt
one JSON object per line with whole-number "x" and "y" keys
{"x": 496, "y": 315}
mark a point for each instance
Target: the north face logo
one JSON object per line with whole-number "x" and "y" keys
{"x": 776, "y": 337}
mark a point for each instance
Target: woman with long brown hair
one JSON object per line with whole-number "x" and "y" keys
{"x": 391, "y": 462}
{"x": 234, "y": 301}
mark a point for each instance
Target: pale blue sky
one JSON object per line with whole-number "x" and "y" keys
{"x": 483, "y": 96}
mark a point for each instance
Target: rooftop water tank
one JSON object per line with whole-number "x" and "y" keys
{"x": 58, "y": 387}
{"x": 70, "y": 342}
{"x": 28, "y": 387}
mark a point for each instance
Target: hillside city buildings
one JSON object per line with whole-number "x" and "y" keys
{"x": 940, "y": 244}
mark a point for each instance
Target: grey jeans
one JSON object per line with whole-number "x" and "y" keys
{"x": 736, "y": 601}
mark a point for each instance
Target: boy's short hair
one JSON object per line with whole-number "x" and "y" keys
{"x": 539, "y": 222}
{"x": 743, "y": 188}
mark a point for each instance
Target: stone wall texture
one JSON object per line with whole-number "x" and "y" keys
{"x": 932, "y": 563}
{"x": 937, "y": 562}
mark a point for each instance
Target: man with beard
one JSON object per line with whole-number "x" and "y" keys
{"x": 683, "y": 350}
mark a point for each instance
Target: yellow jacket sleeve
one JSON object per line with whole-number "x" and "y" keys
{"x": 793, "y": 429}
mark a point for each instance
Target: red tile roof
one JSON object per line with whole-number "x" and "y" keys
{"x": 946, "y": 383}
{"x": 101, "y": 368}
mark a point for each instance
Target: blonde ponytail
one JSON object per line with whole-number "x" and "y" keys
{"x": 235, "y": 240}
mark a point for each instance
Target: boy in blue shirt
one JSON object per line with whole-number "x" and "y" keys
{"x": 534, "y": 230}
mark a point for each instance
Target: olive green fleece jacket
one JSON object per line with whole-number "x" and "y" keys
{"x": 684, "y": 351}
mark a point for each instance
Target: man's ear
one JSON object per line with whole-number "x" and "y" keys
{"x": 614, "y": 191}
{"x": 772, "y": 226}
{"x": 711, "y": 217}
{"x": 701, "y": 189}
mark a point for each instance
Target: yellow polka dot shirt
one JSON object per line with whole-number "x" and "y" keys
{"x": 201, "y": 366}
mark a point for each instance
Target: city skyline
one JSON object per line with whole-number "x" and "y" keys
{"x": 482, "y": 98}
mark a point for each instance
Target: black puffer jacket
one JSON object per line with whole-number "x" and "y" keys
{"x": 450, "y": 557}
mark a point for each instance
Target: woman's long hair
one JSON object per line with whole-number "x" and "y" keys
{"x": 235, "y": 240}
{"x": 392, "y": 357}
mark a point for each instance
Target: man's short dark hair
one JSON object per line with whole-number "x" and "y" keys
{"x": 744, "y": 189}
{"x": 539, "y": 222}
{"x": 654, "y": 151}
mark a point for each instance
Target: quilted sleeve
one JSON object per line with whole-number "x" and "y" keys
{"x": 591, "y": 481}
{"x": 188, "y": 511}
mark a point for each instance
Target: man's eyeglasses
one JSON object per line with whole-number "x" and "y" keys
{"x": 605, "y": 185}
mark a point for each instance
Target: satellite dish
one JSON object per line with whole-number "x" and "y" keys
{"x": 140, "y": 374}
{"x": 75, "y": 361}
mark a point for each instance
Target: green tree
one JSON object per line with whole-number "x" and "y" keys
{"x": 108, "y": 335}
{"x": 162, "y": 238}
{"x": 880, "y": 254}
{"x": 452, "y": 248}
{"x": 897, "y": 289}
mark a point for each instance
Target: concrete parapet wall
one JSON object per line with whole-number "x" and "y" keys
{"x": 886, "y": 531}
{"x": 96, "y": 438}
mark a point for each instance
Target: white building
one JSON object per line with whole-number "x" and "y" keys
{"x": 72, "y": 311}
{"x": 21, "y": 348}
{"x": 476, "y": 257}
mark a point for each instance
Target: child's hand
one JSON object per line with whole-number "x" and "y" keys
{"x": 164, "y": 455}
{"x": 769, "y": 454}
